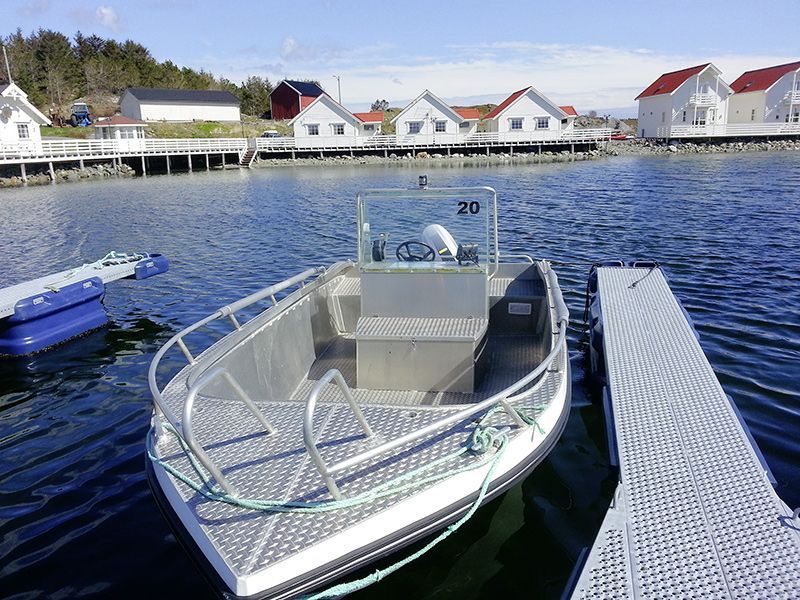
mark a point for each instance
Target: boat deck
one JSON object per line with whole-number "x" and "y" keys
{"x": 278, "y": 466}
{"x": 694, "y": 514}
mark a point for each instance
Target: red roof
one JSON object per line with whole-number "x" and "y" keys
{"x": 669, "y": 82}
{"x": 470, "y": 114}
{"x": 117, "y": 120}
{"x": 505, "y": 104}
{"x": 762, "y": 79}
{"x": 570, "y": 110}
{"x": 369, "y": 117}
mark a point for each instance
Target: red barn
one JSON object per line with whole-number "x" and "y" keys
{"x": 290, "y": 97}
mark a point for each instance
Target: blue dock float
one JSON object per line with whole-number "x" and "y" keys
{"x": 47, "y": 311}
{"x": 694, "y": 514}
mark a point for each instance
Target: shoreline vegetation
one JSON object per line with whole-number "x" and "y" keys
{"x": 40, "y": 174}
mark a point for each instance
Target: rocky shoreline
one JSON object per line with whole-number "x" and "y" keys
{"x": 39, "y": 174}
{"x": 633, "y": 147}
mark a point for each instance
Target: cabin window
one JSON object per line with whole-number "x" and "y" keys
{"x": 753, "y": 115}
{"x": 543, "y": 123}
{"x": 516, "y": 124}
{"x": 313, "y": 129}
{"x": 22, "y": 131}
{"x": 127, "y": 134}
{"x": 464, "y": 125}
{"x": 684, "y": 116}
{"x": 440, "y": 126}
{"x": 796, "y": 117}
{"x": 414, "y": 126}
{"x": 663, "y": 117}
{"x": 369, "y": 127}
{"x": 797, "y": 86}
{"x": 338, "y": 128}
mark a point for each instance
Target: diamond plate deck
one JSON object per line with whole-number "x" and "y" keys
{"x": 700, "y": 518}
{"x": 278, "y": 466}
{"x": 421, "y": 328}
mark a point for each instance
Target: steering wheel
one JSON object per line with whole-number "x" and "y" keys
{"x": 420, "y": 252}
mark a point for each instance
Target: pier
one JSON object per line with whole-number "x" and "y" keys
{"x": 205, "y": 153}
{"x": 694, "y": 513}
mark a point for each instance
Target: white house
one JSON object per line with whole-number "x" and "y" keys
{"x": 696, "y": 96}
{"x": 157, "y": 104}
{"x": 128, "y": 132}
{"x": 325, "y": 122}
{"x": 19, "y": 121}
{"x": 429, "y": 120}
{"x": 769, "y": 95}
{"x": 527, "y": 114}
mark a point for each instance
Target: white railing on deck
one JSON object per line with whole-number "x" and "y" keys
{"x": 79, "y": 149}
{"x": 703, "y": 100}
{"x": 792, "y": 97}
{"x": 729, "y": 130}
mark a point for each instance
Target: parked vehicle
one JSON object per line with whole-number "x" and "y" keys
{"x": 80, "y": 116}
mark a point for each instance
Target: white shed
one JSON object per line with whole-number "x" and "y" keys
{"x": 20, "y": 121}
{"x": 527, "y": 114}
{"x": 128, "y": 132}
{"x": 693, "y": 97}
{"x": 769, "y": 95}
{"x": 327, "y": 123}
{"x": 159, "y": 104}
{"x": 429, "y": 120}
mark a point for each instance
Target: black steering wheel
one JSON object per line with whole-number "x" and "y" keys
{"x": 420, "y": 252}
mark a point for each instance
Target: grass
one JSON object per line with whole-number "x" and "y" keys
{"x": 68, "y": 132}
{"x": 250, "y": 127}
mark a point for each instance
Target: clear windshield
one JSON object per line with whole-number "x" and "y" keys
{"x": 427, "y": 229}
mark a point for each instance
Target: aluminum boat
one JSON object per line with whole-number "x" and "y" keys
{"x": 371, "y": 403}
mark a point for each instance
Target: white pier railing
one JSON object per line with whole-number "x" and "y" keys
{"x": 729, "y": 130}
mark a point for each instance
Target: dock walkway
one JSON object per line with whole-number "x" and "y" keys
{"x": 694, "y": 514}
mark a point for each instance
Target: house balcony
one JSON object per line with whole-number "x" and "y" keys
{"x": 703, "y": 100}
{"x": 792, "y": 97}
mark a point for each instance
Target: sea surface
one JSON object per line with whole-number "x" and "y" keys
{"x": 77, "y": 518}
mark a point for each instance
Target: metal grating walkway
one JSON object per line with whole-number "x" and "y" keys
{"x": 694, "y": 515}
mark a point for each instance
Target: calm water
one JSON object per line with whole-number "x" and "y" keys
{"x": 76, "y": 514}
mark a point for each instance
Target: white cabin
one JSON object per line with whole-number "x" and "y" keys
{"x": 429, "y": 120}
{"x": 325, "y": 123}
{"x": 527, "y": 114}
{"x": 157, "y": 104}
{"x": 696, "y": 96}
{"x": 769, "y": 95}
{"x": 129, "y": 133}
{"x": 20, "y": 121}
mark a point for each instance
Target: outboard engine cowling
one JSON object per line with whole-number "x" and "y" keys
{"x": 438, "y": 238}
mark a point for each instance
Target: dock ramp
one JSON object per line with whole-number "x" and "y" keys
{"x": 694, "y": 514}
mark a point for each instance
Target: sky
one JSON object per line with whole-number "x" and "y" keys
{"x": 595, "y": 55}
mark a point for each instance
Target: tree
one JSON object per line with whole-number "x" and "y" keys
{"x": 379, "y": 105}
{"x": 254, "y": 95}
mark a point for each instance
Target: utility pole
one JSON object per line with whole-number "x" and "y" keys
{"x": 8, "y": 69}
{"x": 339, "y": 83}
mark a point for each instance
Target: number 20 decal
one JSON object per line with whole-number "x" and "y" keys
{"x": 472, "y": 208}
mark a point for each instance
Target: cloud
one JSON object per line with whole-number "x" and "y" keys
{"x": 293, "y": 50}
{"x": 34, "y": 8}
{"x": 587, "y": 76}
{"x": 107, "y": 17}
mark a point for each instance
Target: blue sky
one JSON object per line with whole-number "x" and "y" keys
{"x": 595, "y": 55}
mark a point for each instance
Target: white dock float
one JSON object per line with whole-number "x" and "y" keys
{"x": 108, "y": 269}
{"x": 694, "y": 514}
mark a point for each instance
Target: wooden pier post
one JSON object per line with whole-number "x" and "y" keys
{"x": 22, "y": 173}
{"x": 80, "y": 164}
{"x": 385, "y": 153}
{"x": 169, "y": 172}
{"x": 189, "y": 161}
{"x": 351, "y": 153}
{"x": 321, "y": 155}
{"x": 144, "y": 168}
{"x": 511, "y": 150}
{"x": 223, "y": 160}
{"x": 448, "y": 151}
{"x": 52, "y": 171}
{"x": 293, "y": 157}
{"x": 208, "y": 167}
{"x": 487, "y": 150}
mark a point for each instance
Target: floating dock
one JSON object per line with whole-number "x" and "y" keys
{"x": 695, "y": 514}
{"x": 46, "y": 311}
